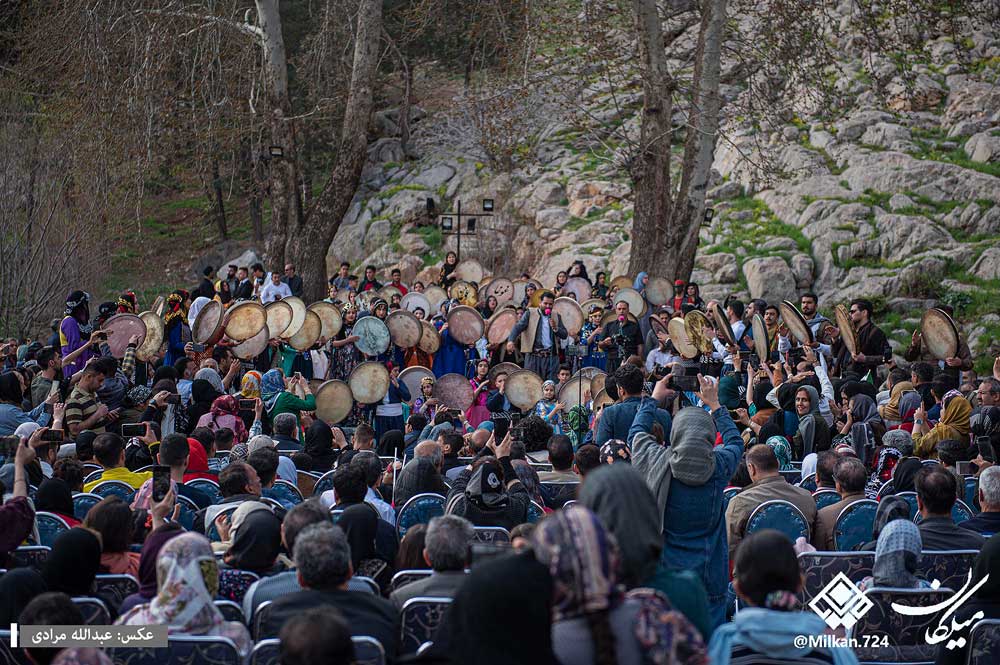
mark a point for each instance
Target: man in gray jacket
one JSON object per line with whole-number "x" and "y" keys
{"x": 446, "y": 550}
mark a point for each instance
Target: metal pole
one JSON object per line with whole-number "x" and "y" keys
{"x": 459, "y": 220}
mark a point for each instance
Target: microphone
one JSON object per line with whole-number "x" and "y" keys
{"x": 547, "y": 311}
{"x": 621, "y": 319}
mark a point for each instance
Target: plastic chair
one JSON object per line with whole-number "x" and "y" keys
{"x": 83, "y": 502}
{"x": 855, "y": 525}
{"x": 188, "y": 513}
{"x": 209, "y": 487}
{"x": 31, "y": 556}
{"x": 117, "y": 488}
{"x": 419, "y": 510}
{"x": 884, "y": 491}
{"x": 287, "y": 492}
{"x": 93, "y": 475}
{"x": 367, "y": 651}
{"x": 49, "y": 526}
{"x": 809, "y": 483}
{"x": 961, "y": 512}
{"x": 825, "y": 498}
{"x": 324, "y": 483}
{"x": 535, "y": 512}
{"x": 906, "y": 635}
{"x": 728, "y": 494}
{"x": 116, "y": 588}
{"x": 94, "y": 611}
{"x": 910, "y": 498}
{"x": 972, "y": 494}
{"x": 780, "y": 515}
{"x": 230, "y": 611}
{"x": 419, "y": 620}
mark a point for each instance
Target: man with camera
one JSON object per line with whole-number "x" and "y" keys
{"x": 538, "y": 329}
{"x": 621, "y": 338}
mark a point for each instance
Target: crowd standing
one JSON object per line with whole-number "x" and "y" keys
{"x": 613, "y": 532}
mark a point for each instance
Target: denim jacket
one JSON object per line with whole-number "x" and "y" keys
{"x": 616, "y": 420}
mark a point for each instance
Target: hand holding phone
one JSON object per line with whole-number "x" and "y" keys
{"x": 161, "y": 482}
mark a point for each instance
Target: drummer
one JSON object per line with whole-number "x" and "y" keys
{"x": 452, "y": 356}
{"x": 536, "y": 332}
{"x": 873, "y": 345}
{"x": 600, "y": 289}
{"x": 396, "y": 276}
{"x": 344, "y": 355}
{"x": 446, "y": 277}
{"x": 74, "y": 331}
{"x": 953, "y": 366}
{"x": 389, "y": 412}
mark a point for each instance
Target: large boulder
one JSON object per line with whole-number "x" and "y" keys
{"x": 377, "y": 235}
{"x": 983, "y": 147}
{"x": 970, "y": 100}
{"x": 884, "y": 134}
{"x": 988, "y": 265}
{"x": 435, "y": 176}
{"x": 940, "y": 181}
{"x": 770, "y": 278}
{"x": 852, "y": 128}
{"x": 347, "y": 246}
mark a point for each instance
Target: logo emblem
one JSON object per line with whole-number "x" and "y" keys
{"x": 841, "y": 603}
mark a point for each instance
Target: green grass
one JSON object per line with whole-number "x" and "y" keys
{"x": 576, "y": 223}
{"x": 748, "y": 234}
{"x": 928, "y": 141}
{"x": 431, "y": 235}
{"x": 396, "y": 189}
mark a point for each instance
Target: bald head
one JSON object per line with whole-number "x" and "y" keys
{"x": 479, "y": 438}
{"x": 432, "y": 450}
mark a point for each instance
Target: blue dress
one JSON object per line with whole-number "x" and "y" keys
{"x": 595, "y": 357}
{"x": 450, "y": 358}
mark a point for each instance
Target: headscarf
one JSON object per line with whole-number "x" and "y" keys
{"x": 899, "y": 439}
{"x": 615, "y": 450}
{"x": 137, "y": 395}
{"x": 272, "y": 384}
{"x": 908, "y": 403}
{"x": 360, "y": 525}
{"x": 155, "y": 542}
{"x": 418, "y": 476}
{"x": 224, "y": 296}
{"x": 890, "y": 508}
{"x": 692, "y": 440}
{"x": 905, "y": 474}
{"x": 319, "y": 442}
{"x": 863, "y": 409}
{"x": 897, "y": 555}
{"x": 529, "y": 478}
{"x": 576, "y": 420}
{"x": 988, "y": 563}
{"x": 809, "y": 463}
{"x": 175, "y": 308}
{"x": 197, "y": 462}
{"x": 782, "y": 451}
{"x": 54, "y": 496}
{"x": 226, "y": 405}
{"x": 637, "y": 283}
{"x": 619, "y": 496}
{"x": 250, "y": 385}
{"x": 392, "y": 443}
{"x": 187, "y": 582}
{"x": 127, "y": 303}
{"x": 196, "y": 307}
{"x": 485, "y": 488}
{"x": 954, "y": 424}
{"x": 809, "y": 427}
{"x": 255, "y": 540}
{"x": 17, "y": 588}
{"x": 890, "y": 410}
{"x": 73, "y": 563}
{"x": 210, "y": 375}
{"x": 888, "y": 457}
{"x": 729, "y": 391}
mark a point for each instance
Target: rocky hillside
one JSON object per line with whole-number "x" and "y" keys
{"x": 894, "y": 197}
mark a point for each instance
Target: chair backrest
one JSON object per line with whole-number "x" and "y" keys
{"x": 780, "y": 515}
{"x": 259, "y": 617}
{"x": 93, "y": 475}
{"x": 820, "y": 568}
{"x": 419, "y": 620}
{"x": 535, "y": 512}
{"x": 90, "y": 467}
{"x": 905, "y": 634}
{"x": 809, "y": 483}
{"x": 233, "y": 584}
{"x": 728, "y": 494}
{"x": 367, "y": 584}
{"x": 209, "y": 487}
{"x": 885, "y": 490}
{"x": 984, "y": 642}
{"x": 188, "y": 513}
{"x": 31, "y": 556}
{"x": 491, "y": 534}
{"x": 930, "y": 462}
{"x": 324, "y": 483}
{"x": 404, "y": 577}
{"x": 419, "y": 509}
{"x": 116, "y": 588}
{"x": 949, "y": 567}
{"x": 83, "y": 502}
{"x": 213, "y": 532}
{"x": 367, "y": 651}
{"x": 826, "y": 498}
{"x": 556, "y": 494}
{"x": 187, "y": 649}
{"x": 306, "y": 482}
{"x": 49, "y": 526}
{"x": 961, "y": 512}
{"x": 95, "y": 612}
{"x": 287, "y": 492}
{"x": 910, "y": 498}
{"x": 855, "y": 525}
{"x": 273, "y": 503}
{"x": 230, "y": 611}
{"x": 117, "y": 488}
{"x": 972, "y": 493}
{"x": 791, "y": 476}
{"x": 10, "y": 655}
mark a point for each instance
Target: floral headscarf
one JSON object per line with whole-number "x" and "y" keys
{"x": 615, "y": 450}
{"x": 577, "y": 422}
{"x": 250, "y": 386}
{"x": 127, "y": 303}
{"x": 187, "y": 582}
{"x": 272, "y": 384}
{"x": 887, "y": 458}
{"x": 226, "y": 405}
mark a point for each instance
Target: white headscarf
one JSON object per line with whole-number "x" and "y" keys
{"x": 196, "y": 307}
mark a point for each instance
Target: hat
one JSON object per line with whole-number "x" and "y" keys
{"x": 679, "y": 282}
{"x": 485, "y": 488}
{"x": 260, "y": 441}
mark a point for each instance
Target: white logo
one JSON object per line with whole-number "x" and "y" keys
{"x": 841, "y": 603}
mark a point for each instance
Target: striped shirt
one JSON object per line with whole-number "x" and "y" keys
{"x": 80, "y": 406}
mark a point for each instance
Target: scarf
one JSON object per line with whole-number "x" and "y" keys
{"x": 954, "y": 424}
{"x": 272, "y": 384}
{"x": 890, "y": 410}
{"x": 904, "y": 474}
{"x": 418, "y": 476}
{"x": 210, "y": 375}
{"x": 692, "y": 440}
{"x": 197, "y": 462}
{"x": 73, "y": 563}
{"x": 54, "y": 496}
{"x": 155, "y": 542}
{"x": 250, "y": 385}
{"x": 226, "y": 405}
{"x": 808, "y": 424}
{"x": 256, "y": 539}
{"x": 576, "y": 424}
{"x": 782, "y": 451}
{"x": 175, "y": 311}
{"x": 360, "y": 525}
{"x": 196, "y": 307}
{"x": 897, "y": 555}
{"x": 127, "y": 303}
{"x": 888, "y": 457}
{"x": 890, "y": 508}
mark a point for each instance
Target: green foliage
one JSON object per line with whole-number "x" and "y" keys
{"x": 576, "y": 223}
{"x": 749, "y": 234}
{"x": 396, "y": 189}
{"x": 431, "y": 235}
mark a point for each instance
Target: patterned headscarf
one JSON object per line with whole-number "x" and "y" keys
{"x": 782, "y": 451}
{"x": 175, "y": 308}
{"x": 899, "y": 439}
{"x": 887, "y": 458}
{"x": 227, "y": 405}
{"x": 210, "y": 375}
{"x": 127, "y": 303}
{"x": 250, "y": 386}
{"x": 272, "y": 384}
{"x": 897, "y": 555}
{"x": 615, "y": 450}
{"x": 577, "y": 422}
{"x": 138, "y": 395}
{"x": 187, "y": 582}
{"x": 348, "y": 307}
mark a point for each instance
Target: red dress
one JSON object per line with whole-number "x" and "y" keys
{"x": 478, "y": 413}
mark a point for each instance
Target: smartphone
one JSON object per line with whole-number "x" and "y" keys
{"x": 986, "y": 448}
{"x": 500, "y": 428}
{"x": 54, "y": 435}
{"x": 134, "y": 429}
{"x": 161, "y": 482}
{"x": 685, "y": 383}
{"x": 197, "y": 348}
{"x": 173, "y": 399}
{"x": 8, "y": 445}
{"x": 965, "y": 468}
{"x": 247, "y": 404}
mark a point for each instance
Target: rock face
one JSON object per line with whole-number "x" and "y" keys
{"x": 769, "y": 278}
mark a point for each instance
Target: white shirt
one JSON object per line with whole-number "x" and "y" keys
{"x": 271, "y": 292}
{"x": 662, "y": 358}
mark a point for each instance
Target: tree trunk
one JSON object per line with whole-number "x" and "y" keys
{"x": 651, "y": 169}
{"x": 220, "y": 205}
{"x": 282, "y": 177}
{"x": 699, "y": 148}
{"x": 307, "y": 246}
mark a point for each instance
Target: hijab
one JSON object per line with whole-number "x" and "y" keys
{"x": 155, "y": 542}
{"x": 197, "y": 462}
{"x": 418, "y": 476}
{"x": 782, "y": 451}
{"x": 54, "y": 496}
{"x": 692, "y": 440}
{"x": 956, "y": 415}
{"x": 250, "y": 385}
{"x": 212, "y": 376}
{"x": 809, "y": 463}
{"x": 73, "y": 563}
{"x": 226, "y": 405}
{"x": 905, "y": 474}
{"x": 17, "y": 588}
{"x": 637, "y": 283}
{"x": 529, "y": 478}
{"x": 319, "y": 445}
{"x": 908, "y": 403}
{"x": 202, "y": 396}
{"x": 623, "y": 502}
{"x": 391, "y": 443}
{"x": 888, "y": 457}
{"x": 272, "y": 384}
{"x": 890, "y": 410}
{"x": 360, "y": 525}
{"x": 897, "y": 555}
{"x": 256, "y": 540}
{"x": 187, "y": 582}
{"x": 196, "y": 307}
{"x": 809, "y": 429}
{"x": 890, "y": 508}
{"x": 863, "y": 409}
